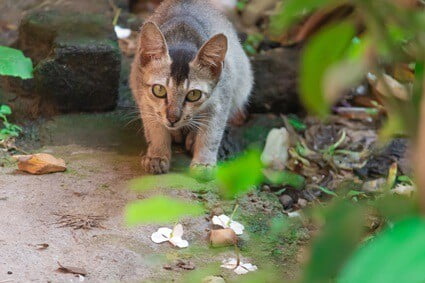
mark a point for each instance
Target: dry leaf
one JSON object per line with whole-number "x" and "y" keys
{"x": 71, "y": 269}
{"x": 41, "y": 247}
{"x": 40, "y": 163}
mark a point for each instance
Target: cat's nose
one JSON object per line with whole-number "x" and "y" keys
{"x": 173, "y": 119}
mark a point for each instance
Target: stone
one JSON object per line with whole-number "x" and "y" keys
{"x": 40, "y": 163}
{"x": 276, "y": 74}
{"x": 286, "y": 201}
{"x": 76, "y": 57}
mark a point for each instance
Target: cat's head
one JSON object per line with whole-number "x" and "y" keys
{"x": 177, "y": 81}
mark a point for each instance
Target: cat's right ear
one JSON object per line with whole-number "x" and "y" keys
{"x": 152, "y": 45}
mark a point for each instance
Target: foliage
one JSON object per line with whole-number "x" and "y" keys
{"x": 252, "y": 43}
{"x": 9, "y": 130}
{"x": 237, "y": 176}
{"x": 14, "y": 63}
{"x": 160, "y": 209}
{"x": 396, "y": 255}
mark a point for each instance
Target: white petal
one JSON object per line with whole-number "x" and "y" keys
{"x": 294, "y": 214}
{"x": 229, "y": 263}
{"x": 178, "y": 231}
{"x": 221, "y": 220}
{"x": 179, "y": 242}
{"x": 122, "y": 32}
{"x": 237, "y": 227}
{"x": 162, "y": 235}
{"x": 249, "y": 266}
{"x": 240, "y": 270}
{"x": 406, "y": 190}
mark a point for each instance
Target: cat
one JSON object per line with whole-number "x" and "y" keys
{"x": 189, "y": 76}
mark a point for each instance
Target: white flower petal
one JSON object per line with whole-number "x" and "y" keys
{"x": 249, "y": 266}
{"x": 229, "y": 263}
{"x": 122, "y": 32}
{"x": 294, "y": 214}
{"x": 162, "y": 235}
{"x": 237, "y": 227}
{"x": 178, "y": 231}
{"x": 221, "y": 220}
{"x": 179, "y": 242}
{"x": 240, "y": 270}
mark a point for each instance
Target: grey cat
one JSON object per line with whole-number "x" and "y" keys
{"x": 189, "y": 77}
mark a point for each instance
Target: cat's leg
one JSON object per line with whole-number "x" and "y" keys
{"x": 158, "y": 155}
{"x": 208, "y": 140}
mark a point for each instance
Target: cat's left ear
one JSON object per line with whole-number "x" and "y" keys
{"x": 152, "y": 45}
{"x": 212, "y": 54}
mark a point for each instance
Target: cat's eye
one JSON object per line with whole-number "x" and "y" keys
{"x": 159, "y": 91}
{"x": 194, "y": 95}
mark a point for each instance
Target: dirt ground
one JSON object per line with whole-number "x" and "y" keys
{"x": 93, "y": 185}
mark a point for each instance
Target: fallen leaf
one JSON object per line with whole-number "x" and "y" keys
{"x": 40, "y": 163}
{"x": 41, "y": 247}
{"x": 71, "y": 269}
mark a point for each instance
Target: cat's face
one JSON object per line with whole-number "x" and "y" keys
{"x": 176, "y": 83}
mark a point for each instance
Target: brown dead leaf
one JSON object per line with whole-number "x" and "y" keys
{"x": 79, "y": 221}
{"x": 42, "y": 246}
{"x": 71, "y": 269}
{"x": 40, "y": 163}
{"x": 180, "y": 264}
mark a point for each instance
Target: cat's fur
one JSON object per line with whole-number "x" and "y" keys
{"x": 185, "y": 45}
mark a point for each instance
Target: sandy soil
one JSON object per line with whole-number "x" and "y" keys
{"x": 102, "y": 155}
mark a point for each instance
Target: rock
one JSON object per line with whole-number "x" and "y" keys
{"x": 40, "y": 163}
{"x": 286, "y": 201}
{"x": 213, "y": 279}
{"x": 302, "y": 202}
{"x": 275, "y": 88}
{"x": 223, "y": 237}
{"x": 77, "y": 60}
{"x": 275, "y": 153}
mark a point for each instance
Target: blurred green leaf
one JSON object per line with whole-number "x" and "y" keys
{"x": 171, "y": 181}
{"x": 296, "y": 123}
{"x": 327, "y": 191}
{"x": 338, "y": 239}
{"x": 160, "y": 209}
{"x": 292, "y": 11}
{"x": 14, "y": 63}
{"x": 396, "y": 255}
{"x": 285, "y": 178}
{"x": 239, "y": 175}
{"x": 5, "y": 110}
{"x": 325, "y": 49}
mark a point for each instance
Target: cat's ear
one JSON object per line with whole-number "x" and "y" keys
{"x": 152, "y": 45}
{"x": 212, "y": 54}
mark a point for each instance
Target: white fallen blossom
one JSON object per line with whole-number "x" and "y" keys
{"x": 405, "y": 190}
{"x": 173, "y": 236}
{"x": 294, "y": 214}
{"x": 275, "y": 153}
{"x": 225, "y": 222}
{"x": 242, "y": 268}
{"x": 122, "y": 32}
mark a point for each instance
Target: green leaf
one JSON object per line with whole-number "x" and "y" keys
{"x": 5, "y": 110}
{"x": 292, "y": 11}
{"x": 337, "y": 240}
{"x": 171, "y": 181}
{"x": 325, "y": 49}
{"x": 14, "y": 63}
{"x": 296, "y": 123}
{"x": 285, "y": 178}
{"x": 327, "y": 191}
{"x": 239, "y": 175}
{"x": 160, "y": 209}
{"x": 396, "y": 255}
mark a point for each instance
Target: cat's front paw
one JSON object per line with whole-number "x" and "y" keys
{"x": 155, "y": 165}
{"x": 203, "y": 172}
